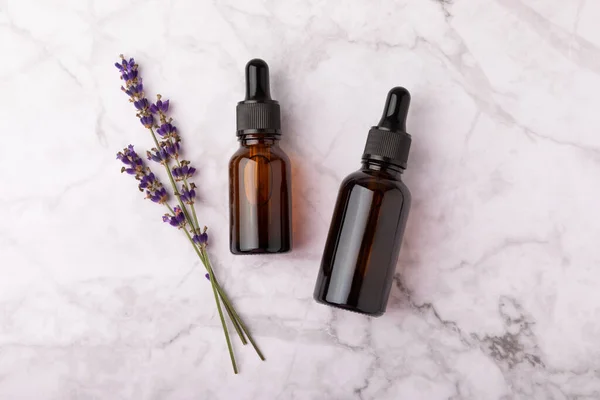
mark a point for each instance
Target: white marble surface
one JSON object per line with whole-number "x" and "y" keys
{"x": 496, "y": 295}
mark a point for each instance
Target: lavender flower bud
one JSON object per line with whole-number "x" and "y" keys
{"x": 183, "y": 172}
{"x": 147, "y": 120}
{"x": 160, "y": 107}
{"x": 130, "y": 171}
{"x": 134, "y": 90}
{"x": 129, "y": 76}
{"x": 156, "y": 155}
{"x": 166, "y": 130}
{"x": 177, "y": 220}
{"x": 172, "y": 149}
{"x": 125, "y": 65}
{"x": 159, "y": 196}
{"x": 134, "y": 163}
{"x": 141, "y": 104}
{"x": 148, "y": 181}
{"x": 186, "y": 195}
{"x": 201, "y": 239}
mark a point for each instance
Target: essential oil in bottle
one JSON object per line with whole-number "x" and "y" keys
{"x": 368, "y": 222}
{"x": 260, "y": 218}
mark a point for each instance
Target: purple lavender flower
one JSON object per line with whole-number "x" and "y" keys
{"x": 148, "y": 181}
{"x": 167, "y": 130}
{"x": 160, "y": 107}
{"x": 178, "y": 219}
{"x": 125, "y": 65}
{"x": 129, "y": 76}
{"x": 126, "y": 155}
{"x": 147, "y": 120}
{"x": 159, "y": 196}
{"x": 134, "y": 163}
{"x": 129, "y": 156}
{"x": 187, "y": 195}
{"x": 201, "y": 239}
{"x": 134, "y": 90}
{"x": 141, "y": 104}
{"x": 183, "y": 172}
{"x": 172, "y": 149}
{"x": 158, "y": 155}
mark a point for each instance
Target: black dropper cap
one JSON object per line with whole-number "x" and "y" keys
{"x": 388, "y": 141}
{"x": 258, "y": 113}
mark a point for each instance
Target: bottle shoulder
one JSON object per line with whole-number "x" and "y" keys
{"x": 375, "y": 181}
{"x": 272, "y": 153}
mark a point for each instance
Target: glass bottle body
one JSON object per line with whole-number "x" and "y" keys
{"x": 259, "y": 197}
{"x": 364, "y": 240}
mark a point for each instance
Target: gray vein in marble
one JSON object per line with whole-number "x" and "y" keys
{"x": 184, "y": 331}
{"x": 444, "y": 4}
{"x": 590, "y": 151}
{"x": 374, "y": 367}
{"x": 53, "y": 201}
{"x": 518, "y": 344}
{"x": 486, "y": 102}
{"x": 508, "y": 349}
{"x": 98, "y": 129}
{"x": 472, "y": 127}
{"x": 429, "y": 307}
{"x": 585, "y": 54}
{"x": 576, "y": 23}
{"x": 511, "y": 350}
{"x": 507, "y": 244}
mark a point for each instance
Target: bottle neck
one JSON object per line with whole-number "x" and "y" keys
{"x": 259, "y": 139}
{"x": 383, "y": 167}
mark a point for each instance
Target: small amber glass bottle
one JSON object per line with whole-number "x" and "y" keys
{"x": 259, "y": 173}
{"x": 368, "y": 222}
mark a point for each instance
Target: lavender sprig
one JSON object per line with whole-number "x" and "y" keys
{"x": 148, "y": 181}
{"x": 167, "y": 152}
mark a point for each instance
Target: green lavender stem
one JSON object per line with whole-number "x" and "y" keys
{"x": 236, "y": 323}
{"x": 239, "y": 319}
{"x": 235, "y": 319}
{"x": 212, "y": 280}
{"x": 233, "y": 315}
{"x": 214, "y": 284}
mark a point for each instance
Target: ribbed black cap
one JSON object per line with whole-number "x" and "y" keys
{"x": 258, "y": 113}
{"x": 388, "y": 141}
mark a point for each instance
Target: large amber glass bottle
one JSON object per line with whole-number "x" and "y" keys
{"x": 368, "y": 222}
{"x": 259, "y": 173}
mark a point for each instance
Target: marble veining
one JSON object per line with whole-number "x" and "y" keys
{"x": 495, "y": 295}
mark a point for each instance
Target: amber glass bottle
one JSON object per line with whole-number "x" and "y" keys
{"x": 368, "y": 222}
{"x": 259, "y": 173}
